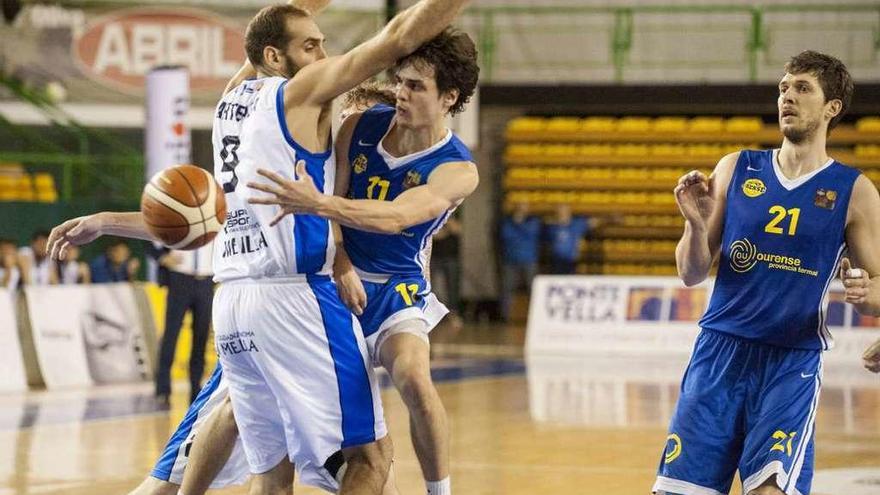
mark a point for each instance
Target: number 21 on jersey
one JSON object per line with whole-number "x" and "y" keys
{"x": 779, "y": 215}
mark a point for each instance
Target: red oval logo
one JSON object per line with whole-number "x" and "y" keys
{"x": 120, "y": 49}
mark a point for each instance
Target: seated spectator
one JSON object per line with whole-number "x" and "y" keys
{"x": 10, "y": 269}
{"x": 115, "y": 265}
{"x": 37, "y": 268}
{"x": 73, "y": 270}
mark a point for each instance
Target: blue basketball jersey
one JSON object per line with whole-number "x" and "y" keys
{"x": 375, "y": 174}
{"x": 780, "y": 247}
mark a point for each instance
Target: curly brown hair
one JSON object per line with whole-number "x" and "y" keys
{"x": 453, "y": 56}
{"x": 833, "y": 76}
{"x": 269, "y": 28}
{"x": 369, "y": 93}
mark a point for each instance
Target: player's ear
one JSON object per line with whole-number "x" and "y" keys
{"x": 449, "y": 98}
{"x": 833, "y": 108}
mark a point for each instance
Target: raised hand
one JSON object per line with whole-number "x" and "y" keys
{"x": 693, "y": 194}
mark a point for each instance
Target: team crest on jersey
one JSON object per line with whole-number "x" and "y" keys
{"x": 825, "y": 198}
{"x": 753, "y": 188}
{"x": 413, "y": 179}
{"x": 360, "y": 164}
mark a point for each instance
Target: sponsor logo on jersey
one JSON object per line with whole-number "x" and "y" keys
{"x": 412, "y": 179}
{"x": 753, "y": 188}
{"x": 825, "y": 198}
{"x": 360, "y": 164}
{"x": 744, "y": 255}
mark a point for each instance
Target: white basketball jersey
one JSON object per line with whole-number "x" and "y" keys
{"x": 250, "y": 132}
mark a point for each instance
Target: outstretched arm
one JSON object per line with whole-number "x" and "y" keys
{"x": 447, "y": 186}
{"x": 326, "y": 79}
{"x": 83, "y": 230}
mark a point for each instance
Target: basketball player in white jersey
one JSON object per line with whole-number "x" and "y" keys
{"x": 294, "y": 357}
{"x": 204, "y": 451}
{"x": 405, "y": 172}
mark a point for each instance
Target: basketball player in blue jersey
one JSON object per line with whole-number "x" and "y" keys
{"x": 405, "y": 172}
{"x": 294, "y": 358}
{"x": 778, "y": 221}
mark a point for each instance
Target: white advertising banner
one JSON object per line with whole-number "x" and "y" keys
{"x": 55, "y": 313}
{"x": 166, "y": 135}
{"x": 651, "y": 315}
{"x": 87, "y": 334}
{"x": 12, "y": 376}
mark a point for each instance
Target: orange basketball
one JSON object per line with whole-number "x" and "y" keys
{"x": 184, "y": 207}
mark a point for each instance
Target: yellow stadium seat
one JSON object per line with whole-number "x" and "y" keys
{"x": 527, "y": 124}
{"x": 596, "y": 150}
{"x": 561, "y": 150}
{"x": 637, "y": 175}
{"x": 563, "y": 124}
{"x": 868, "y": 124}
{"x": 670, "y": 124}
{"x": 634, "y": 124}
{"x": 706, "y": 124}
{"x": 598, "y": 125}
{"x": 867, "y": 150}
{"x": 24, "y": 188}
{"x": 670, "y": 175}
{"x": 743, "y": 124}
{"x": 524, "y": 150}
{"x": 632, "y": 150}
{"x": 713, "y": 151}
{"x": 668, "y": 150}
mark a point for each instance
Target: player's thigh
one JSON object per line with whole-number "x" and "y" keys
{"x": 705, "y": 437}
{"x": 781, "y": 421}
{"x": 240, "y": 322}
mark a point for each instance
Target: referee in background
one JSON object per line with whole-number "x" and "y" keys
{"x": 188, "y": 276}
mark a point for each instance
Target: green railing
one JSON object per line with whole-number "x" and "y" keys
{"x": 623, "y": 24}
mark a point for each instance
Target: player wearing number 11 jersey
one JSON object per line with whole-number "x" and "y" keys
{"x": 778, "y": 221}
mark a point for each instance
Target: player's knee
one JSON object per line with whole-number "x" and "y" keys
{"x": 375, "y": 456}
{"x": 415, "y": 386}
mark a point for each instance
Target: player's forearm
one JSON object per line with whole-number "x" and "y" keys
{"x": 383, "y": 217}
{"x": 693, "y": 258}
{"x": 421, "y": 22}
{"x": 125, "y": 224}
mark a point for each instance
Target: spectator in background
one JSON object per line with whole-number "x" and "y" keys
{"x": 37, "y": 268}
{"x": 519, "y": 251}
{"x": 115, "y": 265}
{"x": 564, "y": 235}
{"x": 446, "y": 267}
{"x": 10, "y": 270}
{"x": 72, "y": 270}
{"x": 189, "y": 277}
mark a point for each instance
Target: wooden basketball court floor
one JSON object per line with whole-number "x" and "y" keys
{"x": 586, "y": 425}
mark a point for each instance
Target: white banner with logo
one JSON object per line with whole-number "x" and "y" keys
{"x": 166, "y": 135}
{"x": 87, "y": 334}
{"x": 12, "y": 376}
{"x": 651, "y": 315}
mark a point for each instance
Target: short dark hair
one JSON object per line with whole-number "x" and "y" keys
{"x": 369, "y": 93}
{"x": 269, "y": 28}
{"x": 39, "y": 233}
{"x": 453, "y": 56}
{"x": 836, "y": 82}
